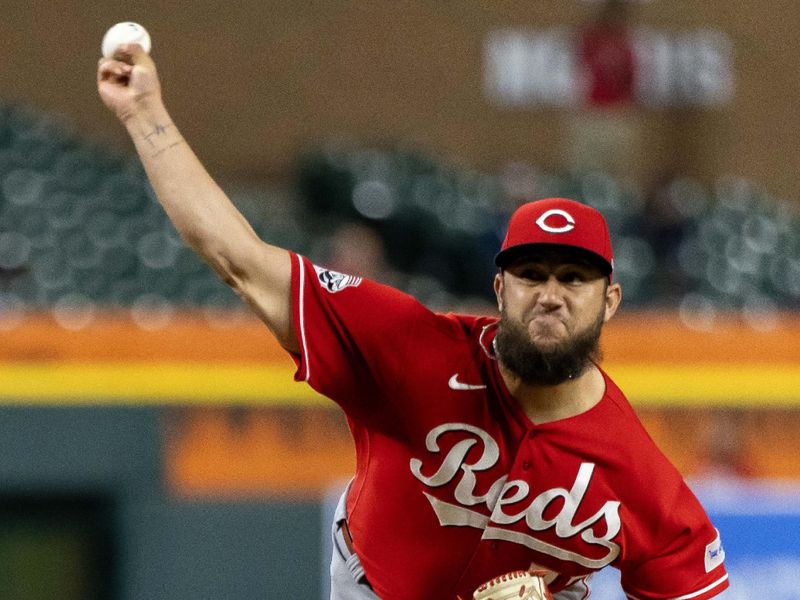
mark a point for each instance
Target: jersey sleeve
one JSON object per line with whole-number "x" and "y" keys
{"x": 353, "y": 334}
{"x": 684, "y": 557}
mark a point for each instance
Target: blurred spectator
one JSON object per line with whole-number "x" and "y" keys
{"x": 665, "y": 224}
{"x": 357, "y": 249}
{"x": 604, "y": 134}
{"x": 607, "y": 58}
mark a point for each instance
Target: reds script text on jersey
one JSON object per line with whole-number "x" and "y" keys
{"x": 454, "y": 485}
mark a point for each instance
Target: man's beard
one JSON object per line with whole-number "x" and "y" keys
{"x": 542, "y": 367}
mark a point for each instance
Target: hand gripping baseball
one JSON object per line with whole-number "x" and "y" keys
{"x": 128, "y": 81}
{"x": 516, "y": 585}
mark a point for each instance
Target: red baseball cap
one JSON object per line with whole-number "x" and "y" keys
{"x": 557, "y": 222}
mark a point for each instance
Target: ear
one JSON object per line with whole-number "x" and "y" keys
{"x": 498, "y": 289}
{"x": 613, "y": 299}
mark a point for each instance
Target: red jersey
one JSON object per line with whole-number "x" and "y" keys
{"x": 454, "y": 485}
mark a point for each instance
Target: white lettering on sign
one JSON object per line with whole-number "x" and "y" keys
{"x": 541, "y": 68}
{"x": 523, "y": 68}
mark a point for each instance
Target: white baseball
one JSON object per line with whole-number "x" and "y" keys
{"x": 125, "y": 33}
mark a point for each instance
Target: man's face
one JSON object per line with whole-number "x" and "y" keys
{"x": 552, "y": 307}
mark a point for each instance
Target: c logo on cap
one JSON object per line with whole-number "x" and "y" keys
{"x": 568, "y": 226}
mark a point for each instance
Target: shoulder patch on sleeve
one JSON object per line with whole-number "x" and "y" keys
{"x": 715, "y": 554}
{"x": 334, "y": 281}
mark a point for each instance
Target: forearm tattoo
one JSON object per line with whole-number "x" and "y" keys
{"x": 161, "y": 138}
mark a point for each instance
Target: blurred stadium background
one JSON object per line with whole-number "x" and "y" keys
{"x": 152, "y": 443}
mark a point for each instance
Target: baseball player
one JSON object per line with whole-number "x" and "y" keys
{"x": 484, "y": 445}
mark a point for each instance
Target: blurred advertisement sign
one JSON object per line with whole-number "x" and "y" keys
{"x": 525, "y": 68}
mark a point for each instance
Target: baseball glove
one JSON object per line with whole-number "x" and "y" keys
{"x": 516, "y": 585}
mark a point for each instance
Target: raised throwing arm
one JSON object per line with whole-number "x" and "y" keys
{"x": 206, "y": 219}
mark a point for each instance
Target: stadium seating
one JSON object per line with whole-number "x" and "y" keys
{"x": 79, "y": 227}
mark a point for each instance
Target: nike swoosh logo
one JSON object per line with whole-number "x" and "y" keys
{"x": 455, "y": 384}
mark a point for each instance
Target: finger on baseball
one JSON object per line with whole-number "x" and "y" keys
{"x": 112, "y": 69}
{"x": 109, "y": 64}
{"x": 132, "y": 54}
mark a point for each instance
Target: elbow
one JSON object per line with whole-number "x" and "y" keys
{"x": 227, "y": 271}
{"x": 219, "y": 260}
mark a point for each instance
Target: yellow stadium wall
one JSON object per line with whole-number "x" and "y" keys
{"x": 237, "y": 424}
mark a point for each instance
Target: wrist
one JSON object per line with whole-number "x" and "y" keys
{"x": 152, "y": 130}
{"x": 144, "y": 113}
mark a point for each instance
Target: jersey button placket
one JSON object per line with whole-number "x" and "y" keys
{"x": 527, "y": 464}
